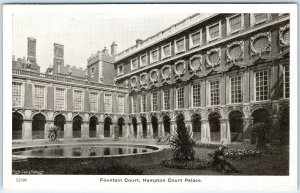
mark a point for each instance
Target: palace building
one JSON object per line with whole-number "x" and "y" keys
{"x": 218, "y": 72}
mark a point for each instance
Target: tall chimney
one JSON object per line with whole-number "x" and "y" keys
{"x": 58, "y": 55}
{"x": 113, "y": 48}
{"x": 31, "y": 50}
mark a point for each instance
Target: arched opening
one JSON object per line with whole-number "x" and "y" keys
{"x": 236, "y": 126}
{"x": 77, "y": 122}
{"x": 285, "y": 126}
{"x": 38, "y": 126}
{"x": 262, "y": 116}
{"x": 121, "y": 122}
{"x": 17, "y": 122}
{"x": 154, "y": 123}
{"x": 167, "y": 124}
{"x": 144, "y": 126}
{"x": 60, "y": 121}
{"x": 196, "y": 125}
{"x": 134, "y": 125}
{"x": 107, "y": 124}
{"x": 180, "y": 121}
{"x": 214, "y": 125}
{"x": 93, "y": 126}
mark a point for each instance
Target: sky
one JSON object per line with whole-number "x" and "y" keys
{"x": 84, "y": 34}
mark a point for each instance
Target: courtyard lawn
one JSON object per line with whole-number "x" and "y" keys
{"x": 273, "y": 161}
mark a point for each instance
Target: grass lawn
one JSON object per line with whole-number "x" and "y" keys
{"x": 274, "y": 161}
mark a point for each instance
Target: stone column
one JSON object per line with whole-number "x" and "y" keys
{"x": 161, "y": 132}
{"x": 127, "y": 130}
{"x": 100, "y": 130}
{"x": 224, "y": 131}
{"x": 112, "y": 130}
{"x": 131, "y": 131}
{"x": 85, "y": 130}
{"x": 27, "y": 131}
{"x": 205, "y": 132}
{"x": 68, "y": 134}
{"x": 149, "y": 130}
{"x": 275, "y": 130}
{"x": 172, "y": 129}
{"x": 189, "y": 127}
{"x": 247, "y": 121}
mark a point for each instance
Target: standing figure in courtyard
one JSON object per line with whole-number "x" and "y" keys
{"x": 219, "y": 159}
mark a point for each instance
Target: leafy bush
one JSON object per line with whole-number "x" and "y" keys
{"x": 182, "y": 144}
{"x": 258, "y": 134}
{"x": 242, "y": 153}
{"x": 191, "y": 165}
{"x": 207, "y": 145}
{"x": 53, "y": 132}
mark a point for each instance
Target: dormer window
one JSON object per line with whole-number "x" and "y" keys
{"x": 235, "y": 23}
{"x": 143, "y": 60}
{"x": 213, "y": 31}
{"x": 257, "y": 18}
{"x": 195, "y": 39}
{"x": 134, "y": 64}
{"x": 180, "y": 45}
{"x": 154, "y": 56}
{"x": 166, "y": 51}
{"x": 120, "y": 69}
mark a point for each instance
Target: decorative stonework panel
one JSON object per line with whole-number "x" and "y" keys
{"x": 133, "y": 81}
{"x": 166, "y": 72}
{"x": 143, "y": 79}
{"x": 195, "y": 63}
{"x": 260, "y": 43}
{"x": 284, "y": 36}
{"x": 235, "y": 52}
{"x": 213, "y": 57}
{"x": 153, "y": 75}
{"x": 179, "y": 67}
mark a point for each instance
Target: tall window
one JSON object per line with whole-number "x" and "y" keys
{"x": 166, "y": 51}
{"x": 121, "y": 100}
{"x": 108, "y": 103}
{"x": 196, "y": 102}
{"x": 39, "y": 97}
{"x": 236, "y": 89}
{"x": 166, "y": 99}
{"x": 143, "y": 103}
{"x": 16, "y": 94}
{"x": 94, "y": 101}
{"x": 59, "y": 99}
{"x": 93, "y": 71}
{"x": 213, "y": 31}
{"x": 261, "y": 85}
{"x": 134, "y": 64}
{"x": 154, "y": 101}
{"x": 195, "y": 39}
{"x": 78, "y": 100}
{"x": 235, "y": 23}
{"x": 144, "y": 60}
{"x": 134, "y": 104}
{"x": 215, "y": 93}
{"x": 180, "y": 98}
{"x": 120, "y": 69}
{"x": 180, "y": 45}
{"x": 286, "y": 83}
{"x": 154, "y": 56}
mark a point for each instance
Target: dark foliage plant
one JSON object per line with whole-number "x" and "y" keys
{"x": 53, "y": 133}
{"x": 182, "y": 144}
{"x": 258, "y": 134}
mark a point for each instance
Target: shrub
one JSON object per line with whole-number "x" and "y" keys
{"x": 53, "y": 132}
{"x": 182, "y": 144}
{"x": 258, "y": 134}
{"x": 191, "y": 165}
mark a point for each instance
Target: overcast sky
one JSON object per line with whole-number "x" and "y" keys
{"x": 84, "y": 34}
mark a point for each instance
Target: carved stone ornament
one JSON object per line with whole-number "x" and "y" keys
{"x": 153, "y": 75}
{"x": 212, "y": 64}
{"x": 238, "y": 48}
{"x": 133, "y": 81}
{"x": 195, "y": 66}
{"x": 166, "y": 72}
{"x": 179, "y": 67}
{"x": 143, "y": 79}
{"x": 283, "y": 31}
{"x": 126, "y": 82}
{"x": 260, "y": 50}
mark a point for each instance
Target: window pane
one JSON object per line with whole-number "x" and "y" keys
{"x": 60, "y": 99}
{"x": 196, "y": 95}
{"x": 134, "y": 103}
{"x": 154, "y": 101}
{"x": 287, "y": 82}
{"x": 166, "y": 99}
{"x": 236, "y": 89}
{"x": 196, "y": 39}
{"x": 180, "y": 45}
{"x": 121, "y": 104}
{"x": 261, "y": 85}
{"x": 167, "y": 50}
{"x": 260, "y": 16}
{"x": 235, "y": 23}
{"x": 17, "y": 94}
{"x": 180, "y": 98}
{"x": 94, "y": 102}
{"x": 39, "y": 97}
{"x": 78, "y": 99}
{"x": 214, "y": 93}
{"x": 143, "y": 103}
{"x": 108, "y": 103}
{"x": 214, "y": 31}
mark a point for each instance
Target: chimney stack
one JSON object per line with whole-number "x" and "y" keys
{"x": 31, "y": 50}
{"x": 113, "y": 48}
{"x": 138, "y": 41}
{"x": 58, "y": 55}
{"x": 105, "y": 51}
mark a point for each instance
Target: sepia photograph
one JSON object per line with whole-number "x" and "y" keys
{"x": 164, "y": 94}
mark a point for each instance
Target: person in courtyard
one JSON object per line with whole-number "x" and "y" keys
{"x": 219, "y": 159}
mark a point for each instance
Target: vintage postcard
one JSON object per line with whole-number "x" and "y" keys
{"x": 165, "y": 97}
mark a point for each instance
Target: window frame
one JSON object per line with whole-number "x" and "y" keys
{"x": 191, "y": 45}
{"x": 192, "y": 94}
{"x": 45, "y": 94}
{"x": 65, "y": 97}
{"x": 176, "y": 98}
{"x": 208, "y": 38}
{"x": 151, "y": 55}
{"x": 228, "y": 27}
{"x": 253, "y": 20}
{"x": 123, "y": 96}
{"x": 163, "y": 99}
{"x": 209, "y": 92}
{"x": 111, "y": 96}
{"x": 132, "y": 104}
{"x": 152, "y": 101}
{"x": 163, "y": 56}
{"x": 175, "y": 46}
{"x": 242, "y": 87}
{"x": 141, "y": 100}
{"x": 118, "y": 72}
{"x": 284, "y": 87}
{"x": 141, "y": 63}
{"x": 22, "y": 92}
{"x": 93, "y": 68}
{"x": 97, "y": 93}
{"x": 268, "y": 73}
{"x": 131, "y": 62}
{"x": 82, "y": 102}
